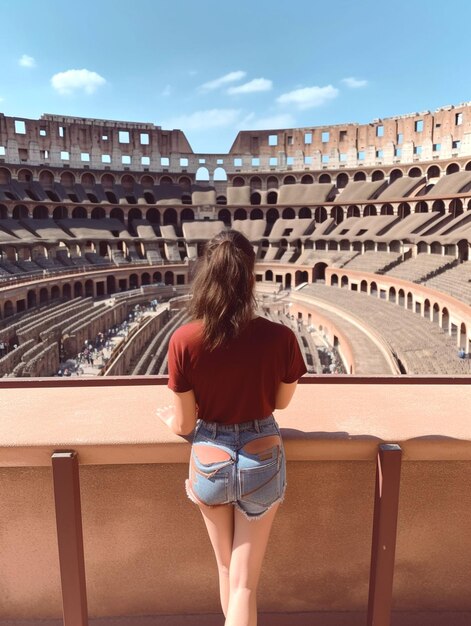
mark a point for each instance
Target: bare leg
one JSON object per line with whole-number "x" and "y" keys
{"x": 219, "y": 522}
{"x": 248, "y": 550}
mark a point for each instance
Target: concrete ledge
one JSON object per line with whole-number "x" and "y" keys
{"x": 113, "y": 421}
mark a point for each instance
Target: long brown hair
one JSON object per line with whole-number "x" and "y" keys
{"x": 223, "y": 288}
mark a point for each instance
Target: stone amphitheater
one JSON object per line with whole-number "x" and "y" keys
{"x": 362, "y": 234}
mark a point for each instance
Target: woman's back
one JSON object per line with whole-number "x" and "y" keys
{"x": 236, "y": 382}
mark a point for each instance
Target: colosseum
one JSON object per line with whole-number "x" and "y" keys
{"x": 91, "y": 209}
{"x": 362, "y": 234}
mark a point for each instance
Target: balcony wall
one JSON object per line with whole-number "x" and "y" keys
{"x": 146, "y": 550}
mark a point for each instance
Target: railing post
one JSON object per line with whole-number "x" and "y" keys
{"x": 388, "y": 475}
{"x": 69, "y": 536}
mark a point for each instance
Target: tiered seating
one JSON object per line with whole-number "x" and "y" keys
{"x": 374, "y": 262}
{"x": 420, "y": 267}
{"x": 455, "y": 281}
{"x": 421, "y": 346}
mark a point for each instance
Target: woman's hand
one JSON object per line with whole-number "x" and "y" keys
{"x": 180, "y": 417}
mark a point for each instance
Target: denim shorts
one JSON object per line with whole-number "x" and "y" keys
{"x": 240, "y": 464}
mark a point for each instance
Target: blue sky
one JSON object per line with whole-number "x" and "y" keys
{"x": 213, "y": 68}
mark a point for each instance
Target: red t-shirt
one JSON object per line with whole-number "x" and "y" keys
{"x": 237, "y": 382}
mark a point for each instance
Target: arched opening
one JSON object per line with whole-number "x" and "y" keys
{"x": 88, "y": 180}
{"x": 170, "y": 217}
{"x": 359, "y": 176}
{"x": 445, "y": 320}
{"x": 5, "y": 176}
{"x": 169, "y": 279}
{"x": 452, "y": 168}
{"x": 221, "y": 200}
{"x": 288, "y": 214}
{"x": 421, "y": 207}
{"x": 219, "y": 174}
{"x": 337, "y": 214}
{"x": 256, "y": 214}
{"x": 318, "y": 272}
{"x": 404, "y": 210}
{"x": 40, "y": 213}
{"x": 392, "y": 295}
{"x": 410, "y": 301}
{"x": 353, "y": 211}
{"x": 79, "y": 213}
{"x": 334, "y": 280}
{"x": 31, "y": 299}
{"x": 272, "y": 197}
{"x": 325, "y": 178}
{"x": 370, "y": 209}
{"x": 133, "y": 281}
{"x": 98, "y": 213}
{"x": 167, "y": 180}
{"x": 255, "y": 198}
{"x": 145, "y": 278}
{"x": 255, "y": 183}
{"x": 153, "y": 216}
{"x": 78, "y": 290}
{"x": 288, "y": 281}
{"x": 20, "y": 212}
{"x": 238, "y": 181}
{"x": 415, "y": 172}
{"x": 463, "y": 339}
{"x": 187, "y": 215}
{"x": 374, "y": 289}
{"x": 60, "y": 213}
{"x": 148, "y": 197}
{"x": 433, "y": 172}
{"x": 289, "y": 180}
{"x": 269, "y": 275}
{"x": 456, "y": 207}
{"x": 463, "y": 250}
{"x": 377, "y": 175}
{"x": 342, "y": 180}
{"x": 202, "y": 175}
{"x": 89, "y": 288}
{"x": 387, "y": 209}
{"x": 225, "y": 216}
{"x": 272, "y": 182}
{"x": 301, "y": 276}
{"x": 307, "y": 179}
{"x": 117, "y": 214}
{"x": 272, "y": 216}
{"x": 364, "y": 286}
{"x": 394, "y": 175}
{"x": 427, "y": 308}
{"x": 157, "y": 277}
{"x": 439, "y": 206}
{"x": 240, "y": 214}
{"x": 320, "y": 214}
{"x": 305, "y": 213}
{"x": 25, "y": 176}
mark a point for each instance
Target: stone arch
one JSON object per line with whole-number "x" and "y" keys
{"x": 307, "y": 179}
{"x": 272, "y": 216}
{"x": 403, "y": 210}
{"x": 342, "y": 180}
{"x": 377, "y": 175}
{"x": 421, "y": 207}
{"x": 395, "y": 174}
{"x": 40, "y": 212}
{"x": 272, "y": 197}
{"x": 166, "y": 180}
{"x": 117, "y": 214}
{"x": 240, "y": 214}
{"x": 289, "y": 180}
{"x": 301, "y": 276}
{"x": 438, "y": 205}
{"x": 318, "y": 272}
{"x": 255, "y": 198}
{"x": 463, "y": 250}
{"x": 20, "y": 212}
{"x": 445, "y": 319}
{"x": 169, "y": 278}
{"x": 415, "y": 172}
{"x": 202, "y": 174}
{"x": 255, "y": 183}
{"x": 433, "y": 172}
{"x": 221, "y": 200}
{"x": 360, "y": 175}
{"x": 60, "y": 213}
{"x": 269, "y": 275}
{"x": 98, "y": 213}
{"x": 288, "y": 214}
{"x": 46, "y": 178}
{"x": 392, "y": 295}
{"x": 272, "y": 182}
{"x": 88, "y": 180}
{"x": 148, "y": 182}
{"x": 334, "y": 280}
{"x": 153, "y": 216}
{"x": 187, "y": 215}
{"x": 128, "y": 182}
{"x": 3, "y": 212}
{"x": 79, "y": 213}
{"x": 238, "y": 181}
{"x": 170, "y": 217}
{"x": 452, "y": 168}
{"x": 225, "y": 216}
{"x": 325, "y": 178}
{"x": 456, "y": 207}
{"x": 353, "y": 211}
{"x": 5, "y": 176}
{"x": 320, "y": 214}
{"x": 337, "y": 213}
{"x": 369, "y": 210}
{"x": 256, "y": 214}
{"x": 219, "y": 174}
{"x": 305, "y": 213}
{"x": 364, "y": 286}
{"x": 25, "y": 176}
{"x": 387, "y": 209}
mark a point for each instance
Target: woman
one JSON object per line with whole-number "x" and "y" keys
{"x": 230, "y": 369}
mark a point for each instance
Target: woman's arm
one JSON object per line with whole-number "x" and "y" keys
{"x": 181, "y": 416}
{"x": 284, "y": 394}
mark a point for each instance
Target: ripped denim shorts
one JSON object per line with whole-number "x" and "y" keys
{"x": 240, "y": 464}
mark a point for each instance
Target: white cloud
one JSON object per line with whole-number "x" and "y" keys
{"x": 204, "y": 120}
{"x": 231, "y": 77}
{"x": 26, "y": 61}
{"x": 167, "y": 90}
{"x": 66, "y": 83}
{"x": 251, "y": 122}
{"x": 354, "y": 83}
{"x": 255, "y": 85}
{"x": 308, "y": 97}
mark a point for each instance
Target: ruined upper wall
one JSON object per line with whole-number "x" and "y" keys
{"x": 69, "y": 142}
